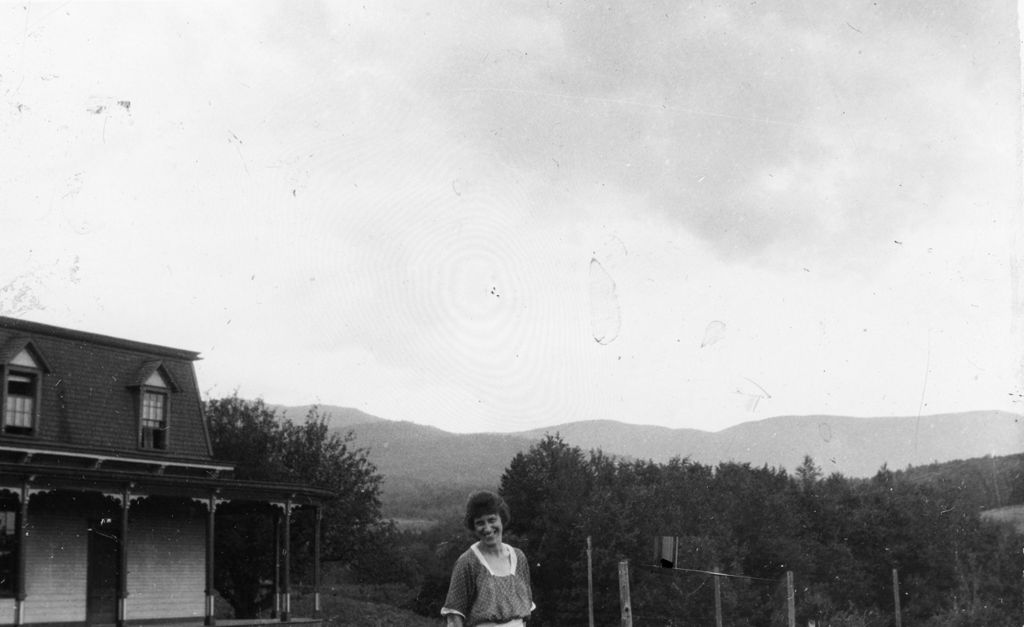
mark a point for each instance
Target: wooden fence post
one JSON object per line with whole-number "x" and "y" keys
{"x": 790, "y": 599}
{"x": 590, "y": 585}
{"x": 718, "y": 599}
{"x": 626, "y": 619}
{"x": 896, "y": 597}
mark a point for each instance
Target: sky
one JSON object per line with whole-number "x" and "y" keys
{"x": 498, "y": 216}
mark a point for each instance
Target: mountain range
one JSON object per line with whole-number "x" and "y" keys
{"x": 409, "y": 454}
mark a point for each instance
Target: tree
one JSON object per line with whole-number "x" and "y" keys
{"x": 268, "y": 447}
{"x": 808, "y": 474}
{"x": 545, "y": 489}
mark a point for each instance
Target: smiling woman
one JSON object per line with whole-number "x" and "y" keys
{"x": 490, "y": 585}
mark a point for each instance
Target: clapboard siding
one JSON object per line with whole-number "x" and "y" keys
{"x": 7, "y": 608}
{"x": 56, "y": 548}
{"x": 166, "y": 566}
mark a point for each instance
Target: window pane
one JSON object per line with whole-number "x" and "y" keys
{"x": 153, "y": 410}
{"x": 18, "y": 411}
{"x": 20, "y": 385}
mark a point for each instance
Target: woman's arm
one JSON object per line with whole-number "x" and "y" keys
{"x": 461, "y": 593}
{"x": 454, "y": 620}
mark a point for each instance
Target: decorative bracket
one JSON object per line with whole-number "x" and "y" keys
{"x": 205, "y": 501}
{"x": 287, "y": 507}
{"x": 119, "y": 497}
{"x": 33, "y": 491}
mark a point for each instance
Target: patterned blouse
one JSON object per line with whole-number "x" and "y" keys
{"x": 481, "y": 597}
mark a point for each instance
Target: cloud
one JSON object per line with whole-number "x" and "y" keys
{"x": 396, "y": 206}
{"x": 698, "y": 108}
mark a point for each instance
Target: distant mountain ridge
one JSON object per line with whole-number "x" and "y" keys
{"x": 340, "y": 417}
{"x": 854, "y": 447}
{"x": 410, "y": 455}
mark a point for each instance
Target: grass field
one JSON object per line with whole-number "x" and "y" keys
{"x": 414, "y": 524}
{"x": 363, "y": 606}
{"x": 1014, "y": 514}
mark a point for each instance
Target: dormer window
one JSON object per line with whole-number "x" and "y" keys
{"x": 21, "y": 394}
{"x": 20, "y": 404}
{"x": 153, "y": 412}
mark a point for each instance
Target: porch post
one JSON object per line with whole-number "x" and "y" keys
{"x": 211, "y": 510}
{"x": 122, "y": 575}
{"x": 276, "y": 611}
{"x": 318, "y": 516}
{"x": 286, "y": 592}
{"x": 19, "y": 578}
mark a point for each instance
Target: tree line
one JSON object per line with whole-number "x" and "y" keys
{"x": 840, "y": 537}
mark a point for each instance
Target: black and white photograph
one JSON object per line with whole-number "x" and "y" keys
{"x": 508, "y": 314}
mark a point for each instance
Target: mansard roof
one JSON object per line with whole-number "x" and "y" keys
{"x": 29, "y": 328}
{"x": 88, "y": 395}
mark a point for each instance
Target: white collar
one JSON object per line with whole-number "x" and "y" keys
{"x": 505, "y": 550}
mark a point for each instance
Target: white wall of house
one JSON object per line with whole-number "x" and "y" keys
{"x": 166, "y": 565}
{"x": 56, "y": 566}
{"x": 6, "y": 611}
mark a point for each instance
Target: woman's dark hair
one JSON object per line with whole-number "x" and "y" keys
{"x": 483, "y": 503}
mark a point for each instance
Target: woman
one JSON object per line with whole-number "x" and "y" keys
{"x": 490, "y": 584}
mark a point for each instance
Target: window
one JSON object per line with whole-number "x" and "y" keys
{"x": 8, "y": 547}
{"x": 21, "y": 393}
{"x": 20, "y": 404}
{"x": 154, "y": 419}
{"x": 154, "y": 391}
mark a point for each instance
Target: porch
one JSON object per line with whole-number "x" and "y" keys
{"x": 90, "y": 547}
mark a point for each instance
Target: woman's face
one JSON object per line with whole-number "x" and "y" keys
{"x": 488, "y": 529}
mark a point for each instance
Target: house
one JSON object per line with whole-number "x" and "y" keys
{"x": 108, "y": 486}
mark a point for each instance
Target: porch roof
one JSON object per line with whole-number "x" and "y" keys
{"x": 41, "y": 476}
